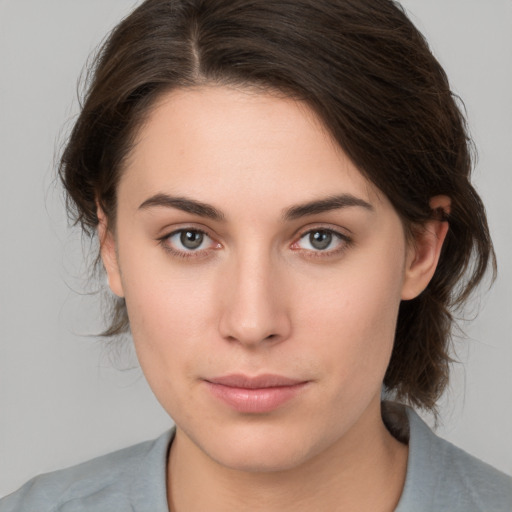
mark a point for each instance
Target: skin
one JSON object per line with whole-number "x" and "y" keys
{"x": 257, "y": 297}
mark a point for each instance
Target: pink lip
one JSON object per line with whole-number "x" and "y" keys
{"x": 260, "y": 394}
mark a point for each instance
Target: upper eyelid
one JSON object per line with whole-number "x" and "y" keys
{"x": 198, "y": 226}
{"x": 181, "y": 230}
{"x": 343, "y": 238}
{"x": 337, "y": 230}
{"x": 329, "y": 230}
{"x": 168, "y": 231}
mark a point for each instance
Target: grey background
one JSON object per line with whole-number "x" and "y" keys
{"x": 61, "y": 398}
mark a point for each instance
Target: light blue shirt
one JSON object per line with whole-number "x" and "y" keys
{"x": 440, "y": 477}
{"x": 443, "y": 478}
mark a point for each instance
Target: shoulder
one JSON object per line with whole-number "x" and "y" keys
{"x": 130, "y": 479}
{"x": 441, "y": 476}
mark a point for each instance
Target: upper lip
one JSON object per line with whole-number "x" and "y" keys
{"x": 257, "y": 382}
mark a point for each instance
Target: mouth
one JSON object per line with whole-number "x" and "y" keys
{"x": 255, "y": 395}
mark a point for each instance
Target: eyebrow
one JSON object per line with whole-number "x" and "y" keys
{"x": 294, "y": 212}
{"x": 184, "y": 204}
{"x": 325, "y": 205}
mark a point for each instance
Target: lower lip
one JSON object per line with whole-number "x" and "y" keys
{"x": 255, "y": 401}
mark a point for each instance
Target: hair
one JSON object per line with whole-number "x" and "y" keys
{"x": 368, "y": 74}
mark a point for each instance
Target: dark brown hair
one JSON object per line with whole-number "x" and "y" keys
{"x": 365, "y": 70}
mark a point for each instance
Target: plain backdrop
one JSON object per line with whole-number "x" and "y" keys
{"x": 62, "y": 398}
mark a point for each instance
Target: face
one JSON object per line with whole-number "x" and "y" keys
{"x": 262, "y": 275}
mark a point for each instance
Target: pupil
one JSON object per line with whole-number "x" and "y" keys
{"x": 191, "y": 239}
{"x": 320, "y": 239}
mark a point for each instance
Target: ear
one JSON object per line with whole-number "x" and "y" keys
{"x": 109, "y": 254}
{"x": 425, "y": 248}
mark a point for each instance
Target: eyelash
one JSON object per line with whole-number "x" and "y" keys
{"x": 202, "y": 253}
{"x": 344, "y": 243}
{"x": 343, "y": 240}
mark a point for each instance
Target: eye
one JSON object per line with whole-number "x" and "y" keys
{"x": 188, "y": 242}
{"x": 321, "y": 240}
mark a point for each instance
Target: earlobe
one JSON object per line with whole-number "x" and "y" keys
{"x": 424, "y": 251}
{"x": 108, "y": 254}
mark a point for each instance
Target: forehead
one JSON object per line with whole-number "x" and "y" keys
{"x": 214, "y": 142}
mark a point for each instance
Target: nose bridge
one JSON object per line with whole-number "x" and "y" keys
{"x": 255, "y": 308}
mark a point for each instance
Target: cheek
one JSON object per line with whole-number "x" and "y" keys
{"x": 170, "y": 315}
{"x": 353, "y": 317}
{"x": 168, "y": 327}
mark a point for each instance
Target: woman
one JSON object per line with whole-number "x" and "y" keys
{"x": 281, "y": 195}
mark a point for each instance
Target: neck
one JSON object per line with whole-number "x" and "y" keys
{"x": 365, "y": 470}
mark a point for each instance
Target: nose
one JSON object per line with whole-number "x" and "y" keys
{"x": 254, "y": 303}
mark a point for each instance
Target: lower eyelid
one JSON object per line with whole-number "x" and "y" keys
{"x": 184, "y": 253}
{"x": 343, "y": 243}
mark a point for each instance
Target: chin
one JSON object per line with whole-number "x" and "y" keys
{"x": 260, "y": 450}
{"x": 268, "y": 459}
